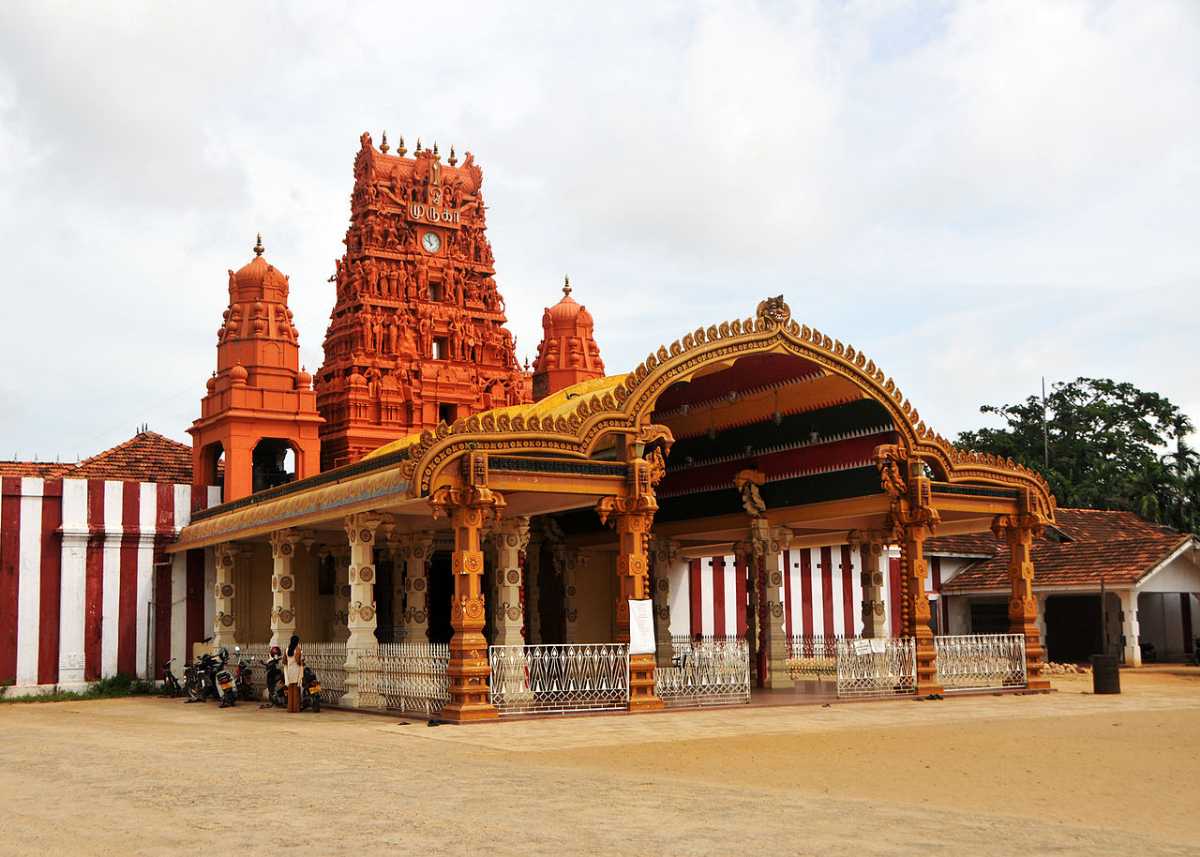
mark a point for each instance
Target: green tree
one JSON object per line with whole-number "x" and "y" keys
{"x": 1107, "y": 445}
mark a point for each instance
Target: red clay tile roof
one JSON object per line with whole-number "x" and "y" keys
{"x": 1119, "y": 546}
{"x": 146, "y": 457}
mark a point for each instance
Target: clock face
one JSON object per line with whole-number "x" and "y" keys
{"x": 431, "y": 242}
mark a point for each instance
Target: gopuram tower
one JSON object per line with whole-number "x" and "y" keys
{"x": 417, "y": 335}
{"x": 259, "y": 404}
{"x": 568, "y": 353}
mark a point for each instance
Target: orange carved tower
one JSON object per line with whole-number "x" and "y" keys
{"x": 260, "y": 404}
{"x": 417, "y": 335}
{"x": 568, "y": 352}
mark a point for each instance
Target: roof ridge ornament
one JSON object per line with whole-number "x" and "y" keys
{"x": 258, "y": 245}
{"x": 566, "y": 286}
{"x": 774, "y": 311}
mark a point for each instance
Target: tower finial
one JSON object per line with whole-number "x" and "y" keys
{"x": 435, "y": 151}
{"x": 566, "y": 286}
{"x": 417, "y": 150}
{"x": 453, "y": 157}
{"x": 383, "y": 146}
{"x": 400, "y": 150}
{"x": 258, "y": 247}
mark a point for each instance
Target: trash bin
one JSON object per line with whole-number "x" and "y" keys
{"x": 1106, "y": 678}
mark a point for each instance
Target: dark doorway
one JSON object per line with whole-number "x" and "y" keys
{"x": 385, "y": 601}
{"x": 271, "y": 462}
{"x": 441, "y": 588}
{"x": 1073, "y": 632}
{"x": 989, "y": 618}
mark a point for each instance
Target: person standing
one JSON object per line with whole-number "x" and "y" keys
{"x": 293, "y": 673}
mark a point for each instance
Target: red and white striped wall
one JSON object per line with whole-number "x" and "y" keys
{"x": 822, "y": 590}
{"x": 85, "y": 588}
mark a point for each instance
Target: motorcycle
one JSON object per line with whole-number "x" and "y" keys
{"x": 170, "y": 685}
{"x": 243, "y": 679}
{"x": 310, "y": 691}
{"x": 199, "y": 679}
{"x": 276, "y": 689}
{"x": 226, "y": 687}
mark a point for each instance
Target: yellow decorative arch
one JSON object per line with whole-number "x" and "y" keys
{"x": 576, "y": 421}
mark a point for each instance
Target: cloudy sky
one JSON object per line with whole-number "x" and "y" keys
{"x": 975, "y": 195}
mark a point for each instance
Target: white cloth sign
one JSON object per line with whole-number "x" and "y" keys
{"x": 641, "y": 627}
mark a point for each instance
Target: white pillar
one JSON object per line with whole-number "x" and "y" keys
{"x": 566, "y": 564}
{"x": 1130, "y": 628}
{"x": 416, "y": 552}
{"x": 360, "y": 617}
{"x": 224, "y": 622}
{"x": 666, "y": 553}
{"x": 283, "y": 586}
{"x": 509, "y": 539}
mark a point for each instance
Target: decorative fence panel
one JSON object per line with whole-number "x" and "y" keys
{"x": 255, "y": 654}
{"x": 981, "y": 661}
{"x": 876, "y": 667}
{"x": 812, "y": 658}
{"x": 713, "y": 672}
{"x": 559, "y": 678}
{"x": 407, "y": 677}
{"x": 328, "y": 661}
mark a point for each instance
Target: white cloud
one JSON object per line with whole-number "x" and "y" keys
{"x": 974, "y": 194}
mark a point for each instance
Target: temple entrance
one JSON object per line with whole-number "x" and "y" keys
{"x": 1073, "y": 632}
{"x": 441, "y": 589}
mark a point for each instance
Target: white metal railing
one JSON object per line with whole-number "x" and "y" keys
{"x": 559, "y": 678}
{"x": 255, "y": 653}
{"x": 713, "y": 672}
{"x": 328, "y": 661}
{"x": 876, "y": 667}
{"x": 683, "y": 644}
{"x": 980, "y": 661}
{"x": 407, "y": 677}
{"x": 812, "y": 657}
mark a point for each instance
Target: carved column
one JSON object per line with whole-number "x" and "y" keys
{"x": 566, "y": 564}
{"x": 769, "y": 545}
{"x": 361, "y": 620}
{"x": 666, "y": 552}
{"x": 744, "y": 552}
{"x": 874, "y": 610}
{"x": 283, "y": 586}
{"x": 416, "y": 552}
{"x": 913, "y": 569}
{"x": 533, "y": 595}
{"x": 341, "y": 594}
{"x": 469, "y": 509}
{"x": 224, "y": 621}
{"x": 510, "y": 538}
{"x": 1019, "y": 531}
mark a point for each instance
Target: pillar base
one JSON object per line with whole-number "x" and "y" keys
{"x": 640, "y": 704}
{"x": 1038, "y": 684}
{"x": 468, "y": 712}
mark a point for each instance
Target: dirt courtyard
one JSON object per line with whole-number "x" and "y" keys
{"x": 1065, "y": 773}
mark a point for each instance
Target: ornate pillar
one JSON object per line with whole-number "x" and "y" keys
{"x": 360, "y": 617}
{"x": 283, "y": 586}
{"x": 416, "y": 552}
{"x": 631, "y": 517}
{"x": 874, "y": 609}
{"x": 744, "y": 552}
{"x": 341, "y": 594}
{"x": 224, "y": 621}
{"x": 469, "y": 509}
{"x": 768, "y": 545}
{"x": 1019, "y": 531}
{"x": 666, "y": 552}
{"x": 566, "y": 563}
{"x": 533, "y": 594}
{"x": 510, "y": 537}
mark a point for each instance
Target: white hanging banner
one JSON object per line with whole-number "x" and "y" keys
{"x": 641, "y": 627}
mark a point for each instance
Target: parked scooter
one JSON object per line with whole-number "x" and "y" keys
{"x": 243, "y": 679}
{"x": 276, "y": 689}
{"x": 170, "y": 686}
{"x": 200, "y": 679}
{"x": 226, "y": 686}
{"x": 310, "y": 691}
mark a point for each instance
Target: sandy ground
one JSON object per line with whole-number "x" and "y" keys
{"x": 1065, "y": 773}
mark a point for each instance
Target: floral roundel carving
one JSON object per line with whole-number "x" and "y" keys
{"x": 418, "y": 616}
{"x": 513, "y": 614}
{"x": 285, "y": 582}
{"x": 663, "y": 584}
{"x": 227, "y": 561}
{"x": 286, "y": 549}
{"x": 473, "y": 563}
{"x": 366, "y": 574}
{"x": 513, "y": 576}
{"x": 366, "y": 614}
{"x": 365, "y": 536}
{"x": 345, "y": 590}
{"x": 226, "y": 590}
{"x": 776, "y": 610}
{"x": 419, "y": 584}
{"x": 572, "y": 615}
{"x": 226, "y": 620}
{"x": 776, "y": 578}
{"x": 285, "y": 617}
{"x": 473, "y": 608}
{"x": 571, "y": 591}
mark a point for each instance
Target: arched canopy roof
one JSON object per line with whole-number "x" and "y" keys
{"x": 585, "y": 421}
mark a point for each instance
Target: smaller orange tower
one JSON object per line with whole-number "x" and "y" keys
{"x": 260, "y": 404}
{"x": 568, "y": 352}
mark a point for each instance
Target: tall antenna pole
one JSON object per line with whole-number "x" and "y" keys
{"x": 1045, "y": 428}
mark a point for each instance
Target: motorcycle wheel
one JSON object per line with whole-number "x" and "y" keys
{"x": 229, "y": 700}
